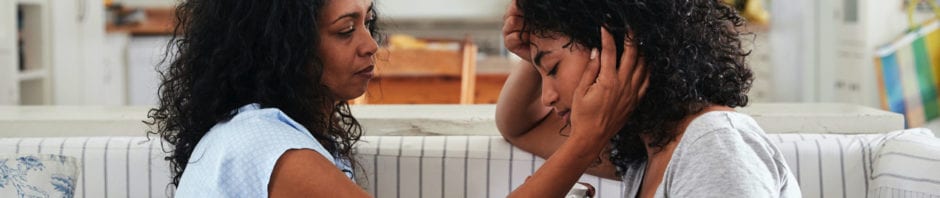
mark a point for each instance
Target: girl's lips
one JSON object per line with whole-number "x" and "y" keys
{"x": 565, "y": 115}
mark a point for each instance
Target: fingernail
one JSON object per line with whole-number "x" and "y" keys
{"x": 593, "y": 53}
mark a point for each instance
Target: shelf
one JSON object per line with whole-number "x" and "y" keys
{"x": 159, "y": 21}
{"x": 31, "y": 2}
{"x": 36, "y": 74}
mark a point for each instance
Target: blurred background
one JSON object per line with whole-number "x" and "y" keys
{"x": 877, "y": 53}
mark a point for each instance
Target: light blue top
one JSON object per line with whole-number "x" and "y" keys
{"x": 236, "y": 158}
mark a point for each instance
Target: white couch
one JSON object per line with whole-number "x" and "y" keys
{"x": 405, "y": 155}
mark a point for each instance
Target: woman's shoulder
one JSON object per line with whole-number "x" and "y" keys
{"x": 259, "y": 132}
{"x": 253, "y": 124}
{"x": 241, "y": 153}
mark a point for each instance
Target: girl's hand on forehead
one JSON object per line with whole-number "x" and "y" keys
{"x": 512, "y": 33}
{"x": 606, "y": 95}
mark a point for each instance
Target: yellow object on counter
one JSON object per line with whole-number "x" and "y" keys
{"x": 752, "y": 10}
{"x": 402, "y": 41}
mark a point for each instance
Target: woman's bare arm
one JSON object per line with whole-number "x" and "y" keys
{"x": 306, "y": 173}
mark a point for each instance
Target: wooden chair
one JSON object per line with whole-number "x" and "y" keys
{"x": 424, "y": 76}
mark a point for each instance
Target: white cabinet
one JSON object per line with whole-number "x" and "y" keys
{"x": 824, "y": 50}
{"x": 9, "y": 86}
{"x": 24, "y": 52}
{"x": 64, "y": 54}
{"x": 80, "y": 72}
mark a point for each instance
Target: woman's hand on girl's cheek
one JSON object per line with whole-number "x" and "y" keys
{"x": 606, "y": 95}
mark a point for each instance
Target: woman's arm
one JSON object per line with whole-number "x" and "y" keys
{"x": 306, "y": 173}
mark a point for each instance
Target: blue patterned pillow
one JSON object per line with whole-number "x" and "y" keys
{"x": 41, "y": 175}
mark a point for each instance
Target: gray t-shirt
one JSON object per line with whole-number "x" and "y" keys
{"x": 721, "y": 154}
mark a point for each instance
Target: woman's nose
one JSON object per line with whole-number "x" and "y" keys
{"x": 369, "y": 47}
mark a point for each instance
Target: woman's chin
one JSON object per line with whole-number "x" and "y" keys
{"x": 352, "y": 94}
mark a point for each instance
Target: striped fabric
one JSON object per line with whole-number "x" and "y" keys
{"x": 826, "y": 165}
{"x": 452, "y": 166}
{"x": 907, "y": 165}
{"x": 111, "y": 166}
{"x": 908, "y": 73}
{"x": 830, "y": 165}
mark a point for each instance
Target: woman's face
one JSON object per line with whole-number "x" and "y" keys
{"x": 560, "y": 63}
{"x": 346, "y": 47}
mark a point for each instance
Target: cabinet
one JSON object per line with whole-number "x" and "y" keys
{"x": 60, "y": 45}
{"x": 824, "y": 51}
{"x": 25, "y": 51}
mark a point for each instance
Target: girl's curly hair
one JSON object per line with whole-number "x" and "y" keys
{"x": 232, "y": 53}
{"x": 692, "y": 50}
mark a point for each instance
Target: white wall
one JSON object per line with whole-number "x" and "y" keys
{"x": 487, "y": 10}
{"x": 147, "y": 3}
{"x": 793, "y": 43}
{"x": 403, "y": 9}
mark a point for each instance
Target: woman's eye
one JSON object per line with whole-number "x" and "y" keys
{"x": 348, "y": 31}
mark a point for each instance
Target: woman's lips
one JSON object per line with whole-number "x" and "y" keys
{"x": 367, "y": 73}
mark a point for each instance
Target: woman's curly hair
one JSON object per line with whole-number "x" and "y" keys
{"x": 692, "y": 50}
{"x": 226, "y": 54}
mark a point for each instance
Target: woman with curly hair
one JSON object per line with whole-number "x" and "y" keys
{"x": 253, "y": 102}
{"x": 678, "y": 136}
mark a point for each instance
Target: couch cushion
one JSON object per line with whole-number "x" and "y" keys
{"x": 452, "y": 166}
{"x": 833, "y": 165}
{"x": 907, "y": 165}
{"x": 109, "y": 166}
{"x": 827, "y": 165}
{"x": 41, "y": 175}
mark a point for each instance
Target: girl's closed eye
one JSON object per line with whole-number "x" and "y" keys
{"x": 554, "y": 69}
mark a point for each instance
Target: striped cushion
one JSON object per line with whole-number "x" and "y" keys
{"x": 907, "y": 166}
{"x": 831, "y": 165}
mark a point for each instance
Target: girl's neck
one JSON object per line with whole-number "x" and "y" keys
{"x": 680, "y": 130}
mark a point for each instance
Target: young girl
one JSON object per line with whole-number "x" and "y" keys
{"x": 678, "y": 136}
{"x": 254, "y": 101}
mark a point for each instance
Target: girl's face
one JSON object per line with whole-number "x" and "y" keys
{"x": 560, "y": 63}
{"x": 346, "y": 47}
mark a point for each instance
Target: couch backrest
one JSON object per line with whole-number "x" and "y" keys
{"x": 110, "y": 166}
{"x": 826, "y": 165}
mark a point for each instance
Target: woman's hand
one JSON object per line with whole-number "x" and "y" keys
{"x": 512, "y": 33}
{"x": 603, "y": 101}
